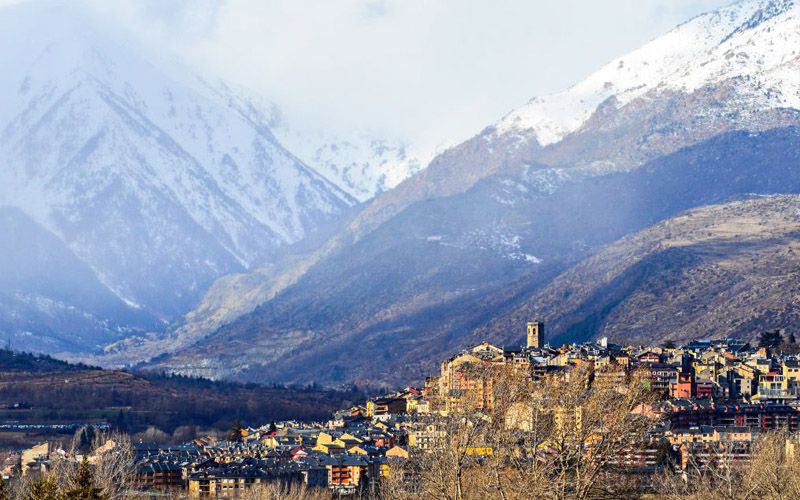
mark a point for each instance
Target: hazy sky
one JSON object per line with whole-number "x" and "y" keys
{"x": 429, "y": 71}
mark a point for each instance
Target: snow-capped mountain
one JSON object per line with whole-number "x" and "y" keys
{"x": 361, "y": 164}
{"x": 707, "y": 113}
{"x": 755, "y": 41}
{"x": 146, "y": 173}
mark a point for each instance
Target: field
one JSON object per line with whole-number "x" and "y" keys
{"x": 41, "y": 397}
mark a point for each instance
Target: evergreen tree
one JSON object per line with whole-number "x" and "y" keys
{"x": 42, "y": 488}
{"x": 273, "y": 427}
{"x": 3, "y": 489}
{"x": 771, "y": 338}
{"x": 85, "y": 438}
{"x": 85, "y": 488}
{"x": 119, "y": 421}
{"x": 235, "y": 434}
{"x": 789, "y": 346}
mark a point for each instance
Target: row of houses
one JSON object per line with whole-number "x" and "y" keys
{"x": 346, "y": 454}
{"x": 716, "y": 396}
{"x": 722, "y": 370}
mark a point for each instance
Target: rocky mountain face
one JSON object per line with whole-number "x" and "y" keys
{"x": 717, "y": 271}
{"x": 708, "y": 112}
{"x": 734, "y": 68}
{"x": 155, "y": 182}
{"x": 752, "y": 42}
{"x": 428, "y": 280}
{"x": 360, "y": 163}
{"x": 49, "y": 299}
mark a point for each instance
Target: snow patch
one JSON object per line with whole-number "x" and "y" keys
{"x": 755, "y": 40}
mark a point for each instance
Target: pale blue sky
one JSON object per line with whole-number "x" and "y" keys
{"x": 425, "y": 70}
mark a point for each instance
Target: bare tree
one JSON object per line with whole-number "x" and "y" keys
{"x": 114, "y": 464}
{"x": 554, "y": 438}
{"x": 764, "y": 469}
{"x": 277, "y": 490}
{"x": 152, "y": 435}
{"x": 35, "y": 487}
{"x": 722, "y": 478}
{"x": 774, "y": 473}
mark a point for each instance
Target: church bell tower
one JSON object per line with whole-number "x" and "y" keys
{"x": 535, "y": 334}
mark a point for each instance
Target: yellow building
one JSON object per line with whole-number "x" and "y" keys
{"x": 349, "y": 438}
{"x": 791, "y": 374}
{"x": 772, "y": 386}
{"x": 425, "y": 436}
{"x": 324, "y": 438}
{"x": 357, "y": 450}
{"x": 610, "y": 376}
{"x": 568, "y": 421}
{"x": 397, "y": 452}
{"x": 36, "y": 453}
{"x": 204, "y": 485}
{"x": 709, "y": 434}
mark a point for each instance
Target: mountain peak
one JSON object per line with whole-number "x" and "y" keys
{"x": 764, "y": 11}
{"x": 687, "y": 120}
{"x": 153, "y": 179}
{"x": 756, "y": 40}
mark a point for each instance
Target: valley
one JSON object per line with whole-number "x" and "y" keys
{"x": 428, "y": 264}
{"x": 172, "y": 222}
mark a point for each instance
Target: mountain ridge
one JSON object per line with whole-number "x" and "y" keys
{"x": 718, "y": 271}
{"x": 141, "y": 169}
{"x": 427, "y": 280}
{"x": 415, "y": 264}
{"x": 687, "y": 56}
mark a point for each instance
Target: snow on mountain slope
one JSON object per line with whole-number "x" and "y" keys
{"x": 49, "y": 299}
{"x": 755, "y": 40}
{"x": 362, "y": 165}
{"x": 359, "y": 163}
{"x": 147, "y": 174}
{"x": 706, "y": 113}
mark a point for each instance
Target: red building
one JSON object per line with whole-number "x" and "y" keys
{"x": 704, "y": 389}
{"x": 761, "y": 417}
{"x": 684, "y": 388}
{"x": 648, "y": 357}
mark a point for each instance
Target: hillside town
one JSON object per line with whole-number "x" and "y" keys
{"x": 711, "y": 400}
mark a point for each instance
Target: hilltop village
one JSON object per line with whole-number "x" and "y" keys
{"x": 710, "y": 401}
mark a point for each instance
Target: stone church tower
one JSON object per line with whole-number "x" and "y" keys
{"x": 535, "y": 334}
